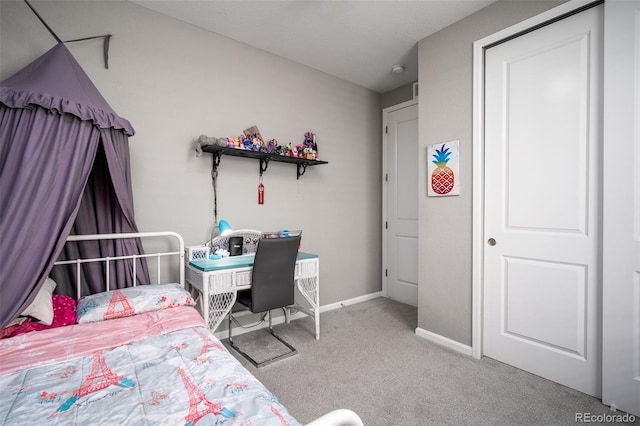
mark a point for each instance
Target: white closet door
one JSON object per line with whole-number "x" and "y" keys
{"x": 542, "y": 278}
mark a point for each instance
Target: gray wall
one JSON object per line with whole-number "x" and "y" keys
{"x": 174, "y": 82}
{"x": 445, "y": 98}
{"x": 397, "y": 96}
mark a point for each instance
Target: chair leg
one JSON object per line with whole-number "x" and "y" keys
{"x": 229, "y": 330}
{"x": 292, "y": 351}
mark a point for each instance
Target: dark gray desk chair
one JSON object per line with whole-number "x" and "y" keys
{"x": 272, "y": 286}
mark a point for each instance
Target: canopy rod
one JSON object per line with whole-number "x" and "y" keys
{"x": 105, "y": 47}
{"x": 106, "y": 37}
{"x": 43, "y": 22}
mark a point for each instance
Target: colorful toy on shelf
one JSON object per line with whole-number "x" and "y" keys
{"x": 273, "y": 147}
{"x": 257, "y": 144}
{"x": 237, "y": 142}
{"x": 308, "y": 153}
{"x": 246, "y": 143}
{"x": 254, "y": 142}
{"x": 310, "y": 146}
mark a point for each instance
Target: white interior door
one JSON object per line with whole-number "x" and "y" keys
{"x": 621, "y": 211}
{"x": 401, "y": 217}
{"x": 542, "y": 221}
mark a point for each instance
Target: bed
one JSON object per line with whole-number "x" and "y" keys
{"x": 140, "y": 355}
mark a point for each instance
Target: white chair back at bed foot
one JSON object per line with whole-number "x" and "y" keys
{"x": 340, "y": 417}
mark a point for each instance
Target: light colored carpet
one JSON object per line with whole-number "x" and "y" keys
{"x": 368, "y": 359}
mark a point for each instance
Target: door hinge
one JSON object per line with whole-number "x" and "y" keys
{"x": 386, "y": 177}
{"x": 386, "y": 273}
{"x": 386, "y": 129}
{"x": 386, "y": 225}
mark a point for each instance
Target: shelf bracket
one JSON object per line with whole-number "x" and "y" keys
{"x": 216, "y": 160}
{"x": 302, "y": 168}
{"x": 264, "y": 163}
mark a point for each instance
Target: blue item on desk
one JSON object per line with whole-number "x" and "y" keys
{"x": 246, "y": 260}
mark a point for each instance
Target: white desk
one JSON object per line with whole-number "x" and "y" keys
{"x": 218, "y": 282}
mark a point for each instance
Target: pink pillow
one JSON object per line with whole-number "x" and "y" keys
{"x": 64, "y": 313}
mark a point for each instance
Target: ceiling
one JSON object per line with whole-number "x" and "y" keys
{"x": 357, "y": 40}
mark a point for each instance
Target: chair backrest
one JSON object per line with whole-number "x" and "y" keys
{"x": 272, "y": 280}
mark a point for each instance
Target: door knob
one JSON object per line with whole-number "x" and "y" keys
{"x": 491, "y": 241}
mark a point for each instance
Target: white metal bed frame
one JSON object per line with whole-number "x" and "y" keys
{"x": 339, "y": 417}
{"x": 107, "y": 260}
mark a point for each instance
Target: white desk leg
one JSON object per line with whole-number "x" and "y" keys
{"x": 316, "y": 309}
{"x": 308, "y": 287}
{"x": 205, "y": 303}
{"x": 220, "y": 307}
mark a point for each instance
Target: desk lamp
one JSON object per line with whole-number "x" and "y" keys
{"x": 224, "y": 227}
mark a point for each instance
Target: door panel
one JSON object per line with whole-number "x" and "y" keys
{"x": 541, "y": 171}
{"x": 542, "y": 196}
{"x": 402, "y": 204}
{"x": 560, "y": 288}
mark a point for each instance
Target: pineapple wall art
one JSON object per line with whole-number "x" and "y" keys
{"x": 443, "y": 177}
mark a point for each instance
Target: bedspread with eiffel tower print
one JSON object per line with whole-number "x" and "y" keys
{"x": 157, "y": 368}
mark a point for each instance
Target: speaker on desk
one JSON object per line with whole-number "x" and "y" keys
{"x": 235, "y": 246}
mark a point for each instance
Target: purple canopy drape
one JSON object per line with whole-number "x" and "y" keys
{"x": 64, "y": 168}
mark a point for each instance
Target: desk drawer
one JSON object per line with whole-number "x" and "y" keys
{"x": 243, "y": 278}
{"x": 308, "y": 268}
{"x": 223, "y": 283}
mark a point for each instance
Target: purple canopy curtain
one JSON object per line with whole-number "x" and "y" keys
{"x": 52, "y": 122}
{"x": 106, "y": 207}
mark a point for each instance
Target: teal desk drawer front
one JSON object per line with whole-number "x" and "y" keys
{"x": 232, "y": 262}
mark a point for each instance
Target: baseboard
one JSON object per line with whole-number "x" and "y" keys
{"x": 444, "y": 341}
{"x": 342, "y": 304}
{"x": 223, "y": 334}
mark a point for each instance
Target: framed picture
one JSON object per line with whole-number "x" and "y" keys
{"x": 253, "y": 132}
{"x": 443, "y": 169}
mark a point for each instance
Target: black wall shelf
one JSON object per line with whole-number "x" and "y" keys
{"x": 263, "y": 157}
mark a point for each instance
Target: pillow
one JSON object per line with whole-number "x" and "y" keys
{"x": 42, "y": 306}
{"x": 64, "y": 313}
{"x": 131, "y": 301}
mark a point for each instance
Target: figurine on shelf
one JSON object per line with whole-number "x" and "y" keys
{"x": 287, "y": 150}
{"x": 310, "y": 143}
{"x": 231, "y": 142}
{"x": 237, "y": 143}
{"x": 256, "y": 143}
{"x": 272, "y": 146}
{"x": 309, "y": 154}
{"x": 246, "y": 143}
